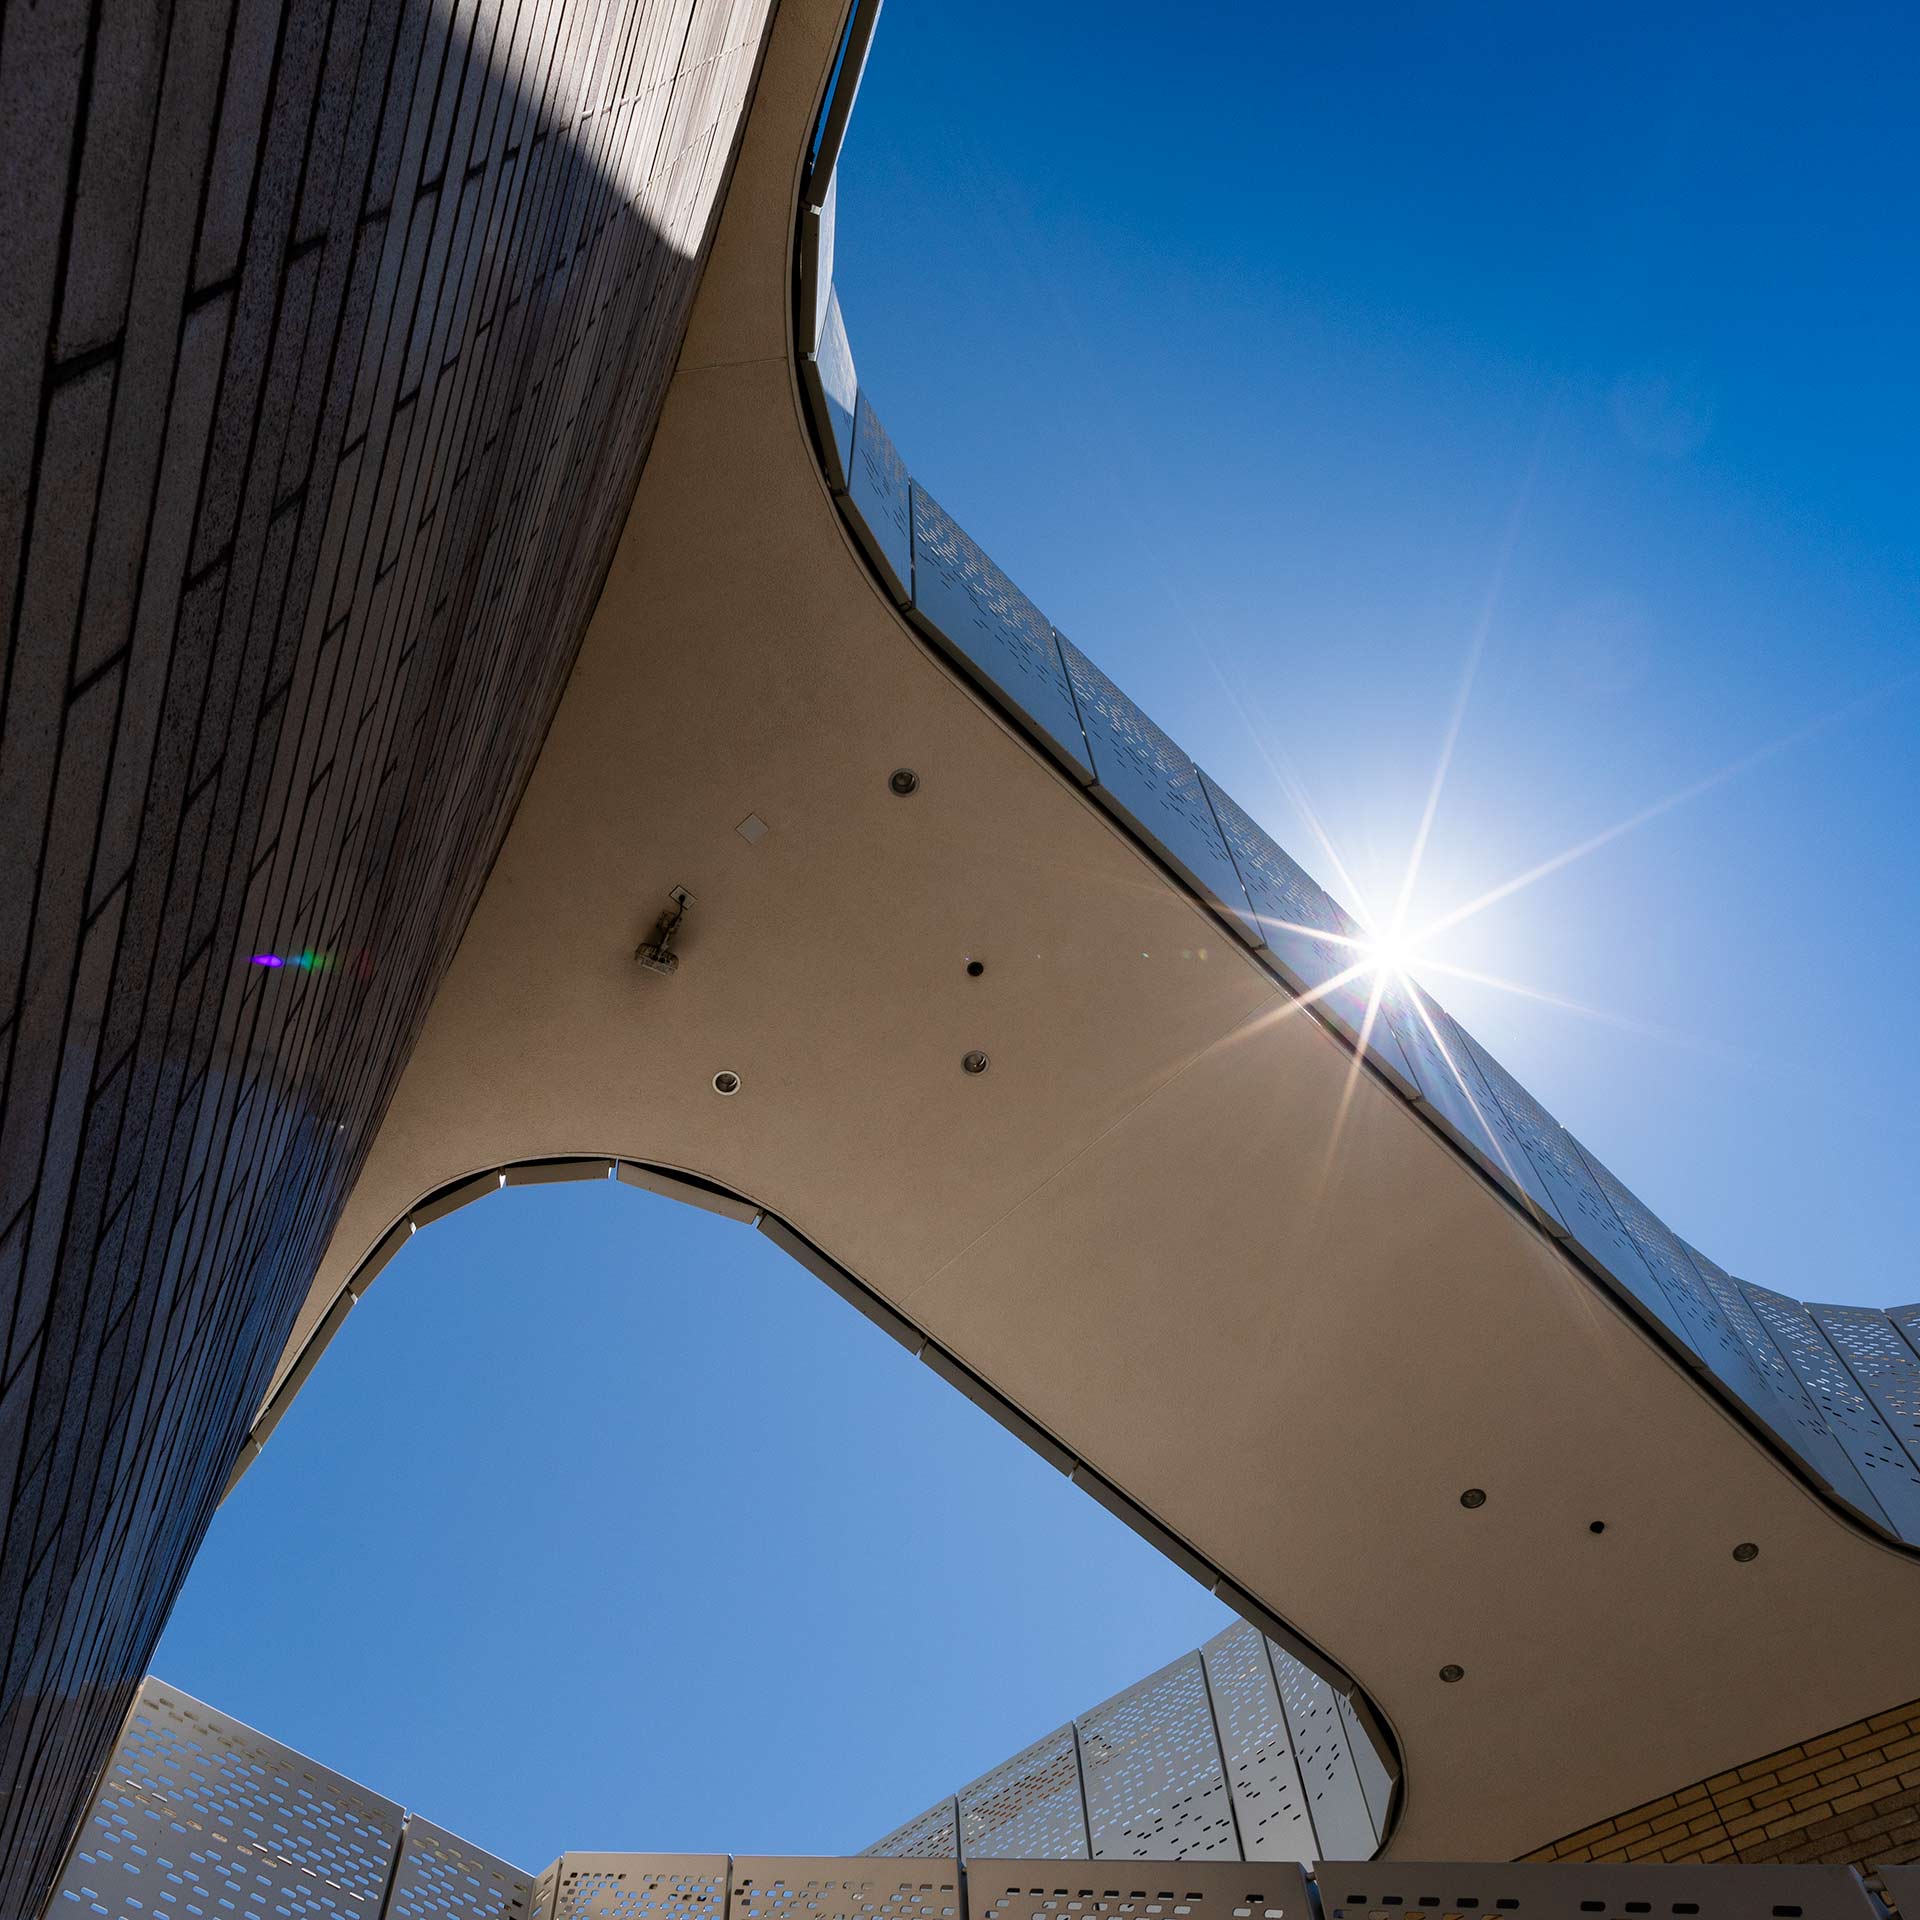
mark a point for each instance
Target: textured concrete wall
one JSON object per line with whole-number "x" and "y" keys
{"x": 1849, "y": 1797}
{"x": 332, "y": 335}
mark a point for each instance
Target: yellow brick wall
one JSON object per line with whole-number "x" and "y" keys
{"x": 1849, "y": 1797}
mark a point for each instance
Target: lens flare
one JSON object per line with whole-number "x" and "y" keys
{"x": 1389, "y": 954}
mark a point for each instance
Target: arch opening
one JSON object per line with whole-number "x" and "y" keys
{"x": 1280, "y": 1759}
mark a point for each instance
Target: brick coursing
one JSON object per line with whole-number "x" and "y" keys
{"x": 332, "y": 337}
{"x": 1850, "y": 1797}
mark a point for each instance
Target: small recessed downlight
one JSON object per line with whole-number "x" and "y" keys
{"x": 725, "y": 1082}
{"x": 1746, "y": 1551}
{"x": 903, "y": 781}
{"x": 974, "y": 1062}
{"x": 1474, "y": 1497}
{"x": 1450, "y": 1673}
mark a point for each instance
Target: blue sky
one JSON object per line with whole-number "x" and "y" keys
{"x": 1290, "y": 364}
{"x": 1280, "y": 354}
{"x": 604, "y": 1524}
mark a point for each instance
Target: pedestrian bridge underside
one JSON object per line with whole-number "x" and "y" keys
{"x": 1178, "y": 1231}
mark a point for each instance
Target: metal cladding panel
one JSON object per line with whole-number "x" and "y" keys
{"x": 340, "y": 467}
{"x": 878, "y": 500}
{"x": 1569, "y": 1890}
{"x": 1887, "y": 1368}
{"x": 1789, "y": 1409}
{"x": 769, "y": 1888}
{"x": 689, "y": 1192}
{"x": 1536, "y": 1158}
{"x": 569, "y": 1170}
{"x": 1376, "y": 1783}
{"x": 1907, "y": 1319}
{"x": 442, "y": 1877}
{"x": 1335, "y": 1797}
{"x": 933, "y": 1834}
{"x": 1725, "y": 1347}
{"x": 1029, "y": 1807}
{"x": 1902, "y": 1885}
{"x": 1850, "y": 1415}
{"x": 1585, "y": 1217}
{"x": 1309, "y": 938}
{"x": 992, "y": 630}
{"x": 1448, "y": 1084}
{"x": 816, "y": 268}
{"x": 1144, "y": 777}
{"x": 1269, "y": 1802}
{"x": 199, "y": 1814}
{"x": 1736, "y": 1343}
{"x": 833, "y": 392}
{"x": 1125, "y": 1890}
{"x": 639, "y": 1886}
{"x": 463, "y": 1193}
{"x": 1156, "y": 1787}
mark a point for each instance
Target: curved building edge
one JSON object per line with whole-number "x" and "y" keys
{"x": 1833, "y": 1389}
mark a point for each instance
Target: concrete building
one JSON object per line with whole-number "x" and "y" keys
{"x": 462, "y": 601}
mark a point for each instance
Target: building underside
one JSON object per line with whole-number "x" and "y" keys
{"x": 441, "y": 526}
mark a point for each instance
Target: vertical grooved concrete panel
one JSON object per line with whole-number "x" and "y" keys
{"x": 317, "y": 430}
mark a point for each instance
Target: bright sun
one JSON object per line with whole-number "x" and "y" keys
{"x": 1387, "y": 952}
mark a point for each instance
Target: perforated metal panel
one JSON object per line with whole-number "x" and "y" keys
{"x": 1725, "y": 1347}
{"x": 1907, "y": 1319}
{"x": 1789, "y": 1409}
{"x": 1335, "y": 1796}
{"x": 1376, "y": 1783}
{"x": 1887, "y": 1369}
{"x": 992, "y": 630}
{"x": 200, "y": 1815}
{"x": 1293, "y": 915}
{"x": 442, "y": 1877}
{"x": 766, "y": 1888}
{"x": 1233, "y": 1751}
{"x": 1537, "y": 1151}
{"x": 1029, "y": 1807}
{"x": 933, "y": 1834}
{"x": 878, "y": 502}
{"x": 1269, "y": 1803}
{"x": 1459, "y": 1890}
{"x": 1156, "y": 1787}
{"x": 1448, "y": 1085}
{"x": 1569, "y": 1206}
{"x": 639, "y": 1886}
{"x": 1124, "y": 1890}
{"x": 1850, "y": 1415}
{"x": 833, "y": 391}
{"x": 1146, "y": 779}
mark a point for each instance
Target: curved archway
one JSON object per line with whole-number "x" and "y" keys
{"x": 1285, "y": 1730}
